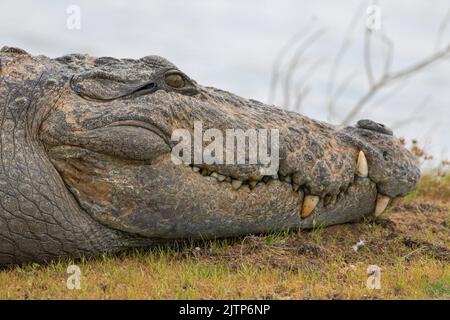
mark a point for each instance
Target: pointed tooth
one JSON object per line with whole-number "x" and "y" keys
{"x": 382, "y": 203}
{"x": 362, "y": 169}
{"x": 252, "y": 184}
{"x": 221, "y": 177}
{"x": 195, "y": 169}
{"x": 236, "y": 184}
{"x": 214, "y": 174}
{"x": 309, "y": 204}
{"x": 255, "y": 178}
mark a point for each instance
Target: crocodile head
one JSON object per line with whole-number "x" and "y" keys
{"x": 106, "y": 126}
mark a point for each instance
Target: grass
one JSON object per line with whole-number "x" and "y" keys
{"x": 410, "y": 244}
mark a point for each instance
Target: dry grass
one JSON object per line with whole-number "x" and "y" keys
{"x": 410, "y": 244}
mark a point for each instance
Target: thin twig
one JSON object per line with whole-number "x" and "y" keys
{"x": 367, "y": 60}
{"x": 340, "y": 54}
{"x": 300, "y": 98}
{"x": 341, "y": 89}
{"x": 387, "y": 79}
{"x": 442, "y": 27}
{"x": 412, "y": 252}
{"x": 414, "y": 114}
{"x": 389, "y": 55}
{"x": 396, "y": 89}
{"x": 292, "y": 65}
{"x": 301, "y": 89}
{"x": 283, "y": 52}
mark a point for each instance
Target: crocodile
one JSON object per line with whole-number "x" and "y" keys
{"x": 87, "y": 165}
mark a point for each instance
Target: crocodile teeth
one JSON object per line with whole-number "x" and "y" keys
{"x": 382, "y": 203}
{"x": 252, "y": 184}
{"x": 362, "y": 169}
{"x": 214, "y": 175}
{"x": 236, "y": 184}
{"x": 309, "y": 204}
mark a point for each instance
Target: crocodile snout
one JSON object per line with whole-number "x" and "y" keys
{"x": 115, "y": 157}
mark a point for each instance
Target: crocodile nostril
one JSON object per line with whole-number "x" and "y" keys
{"x": 374, "y": 126}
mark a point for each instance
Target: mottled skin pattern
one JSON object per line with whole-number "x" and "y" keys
{"x": 86, "y": 167}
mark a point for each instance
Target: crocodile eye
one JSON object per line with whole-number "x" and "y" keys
{"x": 174, "y": 80}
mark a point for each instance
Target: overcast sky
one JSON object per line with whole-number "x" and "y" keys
{"x": 232, "y": 45}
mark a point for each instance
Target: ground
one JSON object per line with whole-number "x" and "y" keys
{"x": 410, "y": 243}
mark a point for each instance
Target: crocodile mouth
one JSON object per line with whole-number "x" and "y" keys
{"x": 309, "y": 202}
{"x": 168, "y": 201}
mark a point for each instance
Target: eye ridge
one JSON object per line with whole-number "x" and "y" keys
{"x": 172, "y": 79}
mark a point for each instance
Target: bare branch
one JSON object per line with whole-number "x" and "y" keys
{"x": 309, "y": 72}
{"x": 367, "y": 60}
{"x": 389, "y": 55}
{"x": 340, "y": 54}
{"x": 292, "y": 65}
{"x": 341, "y": 89}
{"x": 415, "y": 114}
{"x": 396, "y": 89}
{"x": 283, "y": 73}
{"x": 282, "y": 53}
{"x": 442, "y": 27}
{"x": 387, "y": 79}
{"x": 421, "y": 65}
{"x": 300, "y": 98}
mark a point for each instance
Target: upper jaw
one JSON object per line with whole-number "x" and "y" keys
{"x": 365, "y": 167}
{"x": 390, "y": 165}
{"x": 321, "y": 156}
{"x": 364, "y": 161}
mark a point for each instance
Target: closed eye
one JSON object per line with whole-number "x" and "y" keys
{"x": 146, "y": 89}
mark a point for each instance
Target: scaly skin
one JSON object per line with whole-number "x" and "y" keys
{"x": 86, "y": 166}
